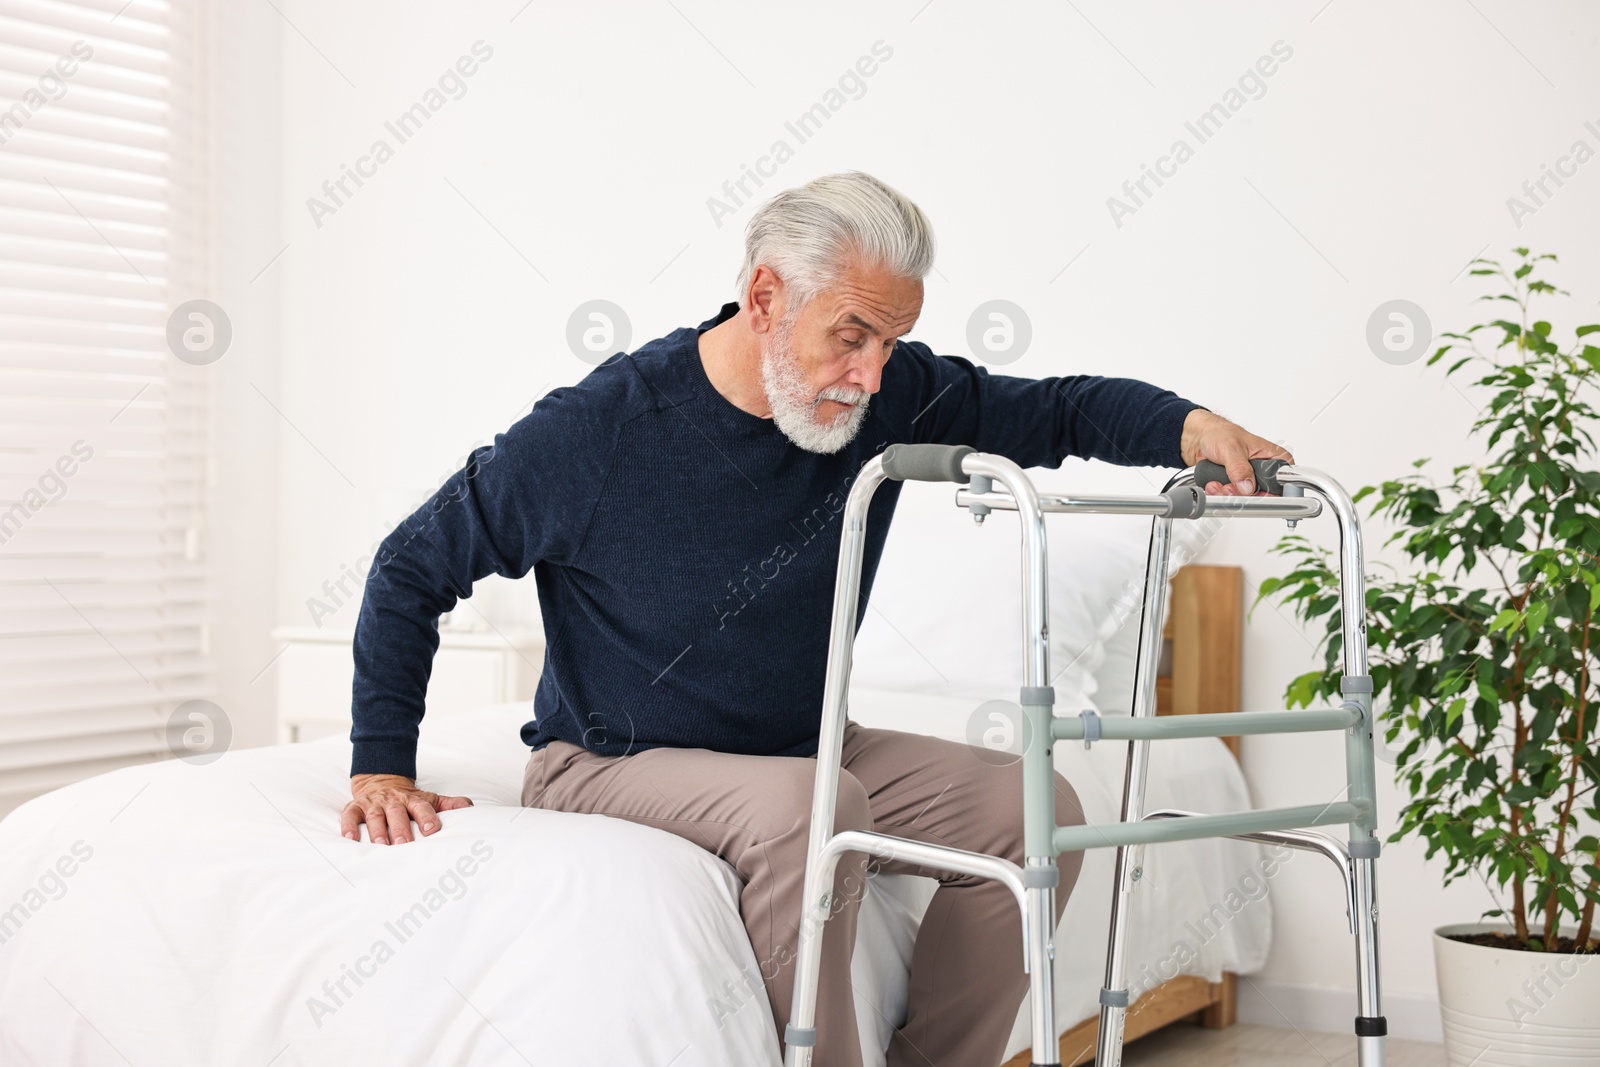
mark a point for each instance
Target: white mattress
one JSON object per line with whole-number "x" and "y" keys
{"x": 180, "y": 915}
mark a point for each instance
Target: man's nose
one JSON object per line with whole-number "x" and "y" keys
{"x": 866, "y": 373}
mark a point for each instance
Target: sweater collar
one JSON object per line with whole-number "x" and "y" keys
{"x": 728, "y": 311}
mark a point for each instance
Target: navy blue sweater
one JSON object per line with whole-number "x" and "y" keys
{"x": 684, "y": 550}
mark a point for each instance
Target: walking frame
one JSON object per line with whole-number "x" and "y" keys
{"x": 1034, "y": 885}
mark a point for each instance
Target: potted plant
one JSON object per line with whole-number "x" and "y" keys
{"x": 1484, "y": 659}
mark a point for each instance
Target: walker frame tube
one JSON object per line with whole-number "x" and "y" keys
{"x": 1252, "y": 507}
{"x": 1038, "y": 769}
{"x": 1360, "y": 765}
{"x": 1034, "y": 884}
{"x": 956, "y": 861}
{"x": 1226, "y": 724}
{"x": 1127, "y": 869}
{"x": 1300, "y": 840}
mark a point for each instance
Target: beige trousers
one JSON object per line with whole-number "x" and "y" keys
{"x": 754, "y": 812}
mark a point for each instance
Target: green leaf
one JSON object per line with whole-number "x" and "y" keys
{"x": 1584, "y": 331}
{"x": 1504, "y": 619}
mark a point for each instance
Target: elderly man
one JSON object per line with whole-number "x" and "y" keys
{"x": 679, "y": 510}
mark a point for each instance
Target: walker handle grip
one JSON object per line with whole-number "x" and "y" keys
{"x": 1266, "y": 474}
{"x": 926, "y": 463}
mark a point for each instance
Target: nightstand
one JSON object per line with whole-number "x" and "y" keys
{"x": 470, "y": 670}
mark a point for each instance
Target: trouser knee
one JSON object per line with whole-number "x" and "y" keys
{"x": 852, "y": 811}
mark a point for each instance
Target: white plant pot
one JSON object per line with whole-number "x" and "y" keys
{"x": 1516, "y": 1009}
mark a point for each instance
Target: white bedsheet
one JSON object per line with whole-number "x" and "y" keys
{"x": 172, "y": 914}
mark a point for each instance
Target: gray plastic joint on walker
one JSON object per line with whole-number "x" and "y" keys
{"x": 1185, "y": 502}
{"x": 1091, "y": 727}
{"x": 1114, "y": 998}
{"x": 981, "y": 483}
{"x": 1355, "y": 683}
{"x": 1038, "y": 696}
{"x": 1365, "y": 848}
{"x": 1041, "y": 877}
{"x": 1296, "y": 490}
{"x": 794, "y": 1035}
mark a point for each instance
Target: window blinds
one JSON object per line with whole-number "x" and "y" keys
{"x": 103, "y": 597}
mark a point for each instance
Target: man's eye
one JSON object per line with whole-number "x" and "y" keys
{"x": 851, "y": 340}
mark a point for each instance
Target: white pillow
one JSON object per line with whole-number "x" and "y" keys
{"x": 1114, "y": 653}
{"x": 945, "y": 612}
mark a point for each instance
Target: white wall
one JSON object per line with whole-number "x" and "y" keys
{"x": 429, "y": 310}
{"x": 246, "y": 74}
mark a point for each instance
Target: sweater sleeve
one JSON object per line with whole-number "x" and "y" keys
{"x": 525, "y": 498}
{"x": 1038, "y": 422}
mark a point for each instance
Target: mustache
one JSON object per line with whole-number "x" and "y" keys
{"x": 842, "y": 395}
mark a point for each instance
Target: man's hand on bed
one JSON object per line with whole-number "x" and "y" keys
{"x": 1210, "y": 436}
{"x": 387, "y": 803}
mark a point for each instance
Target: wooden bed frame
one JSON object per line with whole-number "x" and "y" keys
{"x": 1201, "y": 666}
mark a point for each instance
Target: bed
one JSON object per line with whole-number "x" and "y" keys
{"x": 176, "y": 914}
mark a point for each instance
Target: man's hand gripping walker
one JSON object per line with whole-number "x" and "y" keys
{"x": 1034, "y": 884}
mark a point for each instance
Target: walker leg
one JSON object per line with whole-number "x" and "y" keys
{"x": 1041, "y": 874}
{"x": 1365, "y": 845}
{"x": 1114, "y": 994}
{"x": 1371, "y": 1026}
{"x": 1041, "y": 972}
{"x": 800, "y": 1035}
{"x": 1360, "y": 772}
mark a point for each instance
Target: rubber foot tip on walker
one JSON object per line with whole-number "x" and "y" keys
{"x": 1372, "y": 1026}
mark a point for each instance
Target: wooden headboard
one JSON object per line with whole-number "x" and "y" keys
{"x": 1203, "y": 644}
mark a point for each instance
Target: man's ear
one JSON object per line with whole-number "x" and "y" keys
{"x": 764, "y": 299}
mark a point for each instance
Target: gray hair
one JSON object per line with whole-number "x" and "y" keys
{"x": 806, "y": 235}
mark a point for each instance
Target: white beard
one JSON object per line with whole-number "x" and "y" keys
{"x": 794, "y": 404}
